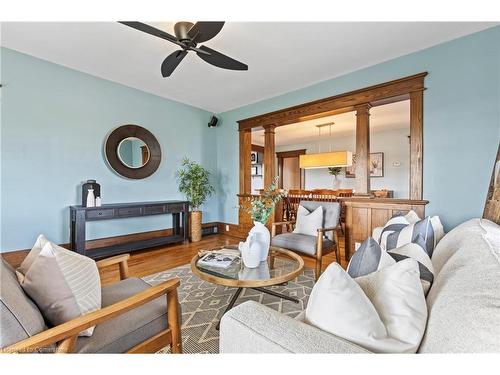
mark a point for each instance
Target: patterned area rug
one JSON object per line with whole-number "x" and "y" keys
{"x": 203, "y": 304}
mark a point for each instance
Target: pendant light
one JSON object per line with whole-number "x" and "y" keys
{"x": 325, "y": 159}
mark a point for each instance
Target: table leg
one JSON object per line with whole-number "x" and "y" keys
{"x": 275, "y": 294}
{"x": 231, "y": 304}
{"x": 185, "y": 225}
{"x": 78, "y": 233}
{"x": 176, "y": 223}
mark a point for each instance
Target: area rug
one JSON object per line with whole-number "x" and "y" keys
{"x": 204, "y": 303}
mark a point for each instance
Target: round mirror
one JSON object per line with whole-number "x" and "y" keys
{"x": 133, "y": 152}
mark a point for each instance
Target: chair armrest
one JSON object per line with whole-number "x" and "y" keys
{"x": 121, "y": 260}
{"x": 73, "y": 327}
{"x": 323, "y": 230}
{"x": 255, "y": 328}
{"x": 283, "y": 223}
{"x": 289, "y": 225}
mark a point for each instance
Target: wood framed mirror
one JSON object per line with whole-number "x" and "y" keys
{"x": 132, "y": 151}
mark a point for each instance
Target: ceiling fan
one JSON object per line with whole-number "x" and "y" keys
{"x": 187, "y": 36}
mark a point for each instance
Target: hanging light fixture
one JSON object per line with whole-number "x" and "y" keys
{"x": 325, "y": 159}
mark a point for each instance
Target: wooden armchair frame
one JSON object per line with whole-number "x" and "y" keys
{"x": 66, "y": 334}
{"x": 320, "y": 251}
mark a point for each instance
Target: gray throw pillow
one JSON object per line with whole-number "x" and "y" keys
{"x": 369, "y": 257}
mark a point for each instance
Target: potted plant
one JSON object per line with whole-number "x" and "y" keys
{"x": 335, "y": 171}
{"x": 195, "y": 185}
{"x": 260, "y": 209}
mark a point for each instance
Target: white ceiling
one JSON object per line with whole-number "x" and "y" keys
{"x": 282, "y": 56}
{"x": 382, "y": 118}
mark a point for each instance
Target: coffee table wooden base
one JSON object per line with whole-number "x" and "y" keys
{"x": 235, "y": 296}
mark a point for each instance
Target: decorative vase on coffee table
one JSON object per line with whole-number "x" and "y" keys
{"x": 262, "y": 239}
{"x": 250, "y": 253}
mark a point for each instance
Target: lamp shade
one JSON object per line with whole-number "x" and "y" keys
{"x": 326, "y": 160}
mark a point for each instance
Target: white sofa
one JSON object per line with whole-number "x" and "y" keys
{"x": 463, "y": 303}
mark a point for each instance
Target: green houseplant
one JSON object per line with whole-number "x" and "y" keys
{"x": 194, "y": 183}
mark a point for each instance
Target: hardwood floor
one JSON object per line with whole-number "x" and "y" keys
{"x": 147, "y": 262}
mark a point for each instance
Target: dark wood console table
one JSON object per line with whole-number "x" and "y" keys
{"x": 79, "y": 215}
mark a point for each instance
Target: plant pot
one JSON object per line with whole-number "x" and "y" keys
{"x": 261, "y": 239}
{"x": 195, "y": 226}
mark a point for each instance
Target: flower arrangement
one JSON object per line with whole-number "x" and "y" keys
{"x": 262, "y": 206}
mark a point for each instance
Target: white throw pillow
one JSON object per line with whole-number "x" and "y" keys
{"x": 309, "y": 222}
{"x": 384, "y": 312}
{"x": 63, "y": 284}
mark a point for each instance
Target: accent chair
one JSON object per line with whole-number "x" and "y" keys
{"x": 135, "y": 318}
{"x": 317, "y": 246}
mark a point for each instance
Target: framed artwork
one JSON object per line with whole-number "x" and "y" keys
{"x": 376, "y": 166}
{"x": 349, "y": 171}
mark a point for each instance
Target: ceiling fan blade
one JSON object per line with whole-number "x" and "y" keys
{"x": 204, "y": 30}
{"x": 199, "y": 50}
{"x": 222, "y": 61}
{"x": 171, "y": 62}
{"x": 152, "y": 31}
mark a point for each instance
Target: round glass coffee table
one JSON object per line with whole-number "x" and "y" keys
{"x": 287, "y": 266}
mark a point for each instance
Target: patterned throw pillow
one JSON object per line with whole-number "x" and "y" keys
{"x": 416, "y": 250}
{"x": 398, "y": 222}
{"x": 370, "y": 257}
{"x": 410, "y": 234}
{"x": 63, "y": 284}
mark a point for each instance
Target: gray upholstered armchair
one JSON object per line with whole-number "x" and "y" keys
{"x": 135, "y": 318}
{"x": 325, "y": 242}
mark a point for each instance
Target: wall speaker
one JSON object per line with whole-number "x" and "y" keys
{"x": 213, "y": 122}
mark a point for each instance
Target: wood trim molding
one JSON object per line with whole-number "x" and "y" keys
{"x": 407, "y": 88}
{"x": 245, "y": 161}
{"x": 362, "y": 148}
{"x": 257, "y": 148}
{"x": 397, "y": 89}
{"x": 416, "y": 144}
{"x": 269, "y": 154}
{"x": 291, "y": 153}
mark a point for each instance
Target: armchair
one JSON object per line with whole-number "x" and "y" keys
{"x": 317, "y": 246}
{"x": 133, "y": 318}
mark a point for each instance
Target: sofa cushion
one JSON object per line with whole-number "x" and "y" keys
{"x": 299, "y": 242}
{"x": 20, "y": 318}
{"x": 129, "y": 329}
{"x": 464, "y": 301}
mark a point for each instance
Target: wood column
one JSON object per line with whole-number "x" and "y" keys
{"x": 245, "y": 161}
{"x": 416, "y": 143}
{"x": 269, "y": 155}
{"x": 362, "y": 149}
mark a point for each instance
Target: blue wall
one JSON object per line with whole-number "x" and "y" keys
{"x": 54, "y": 122}
{"x": 461, "y": 122}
